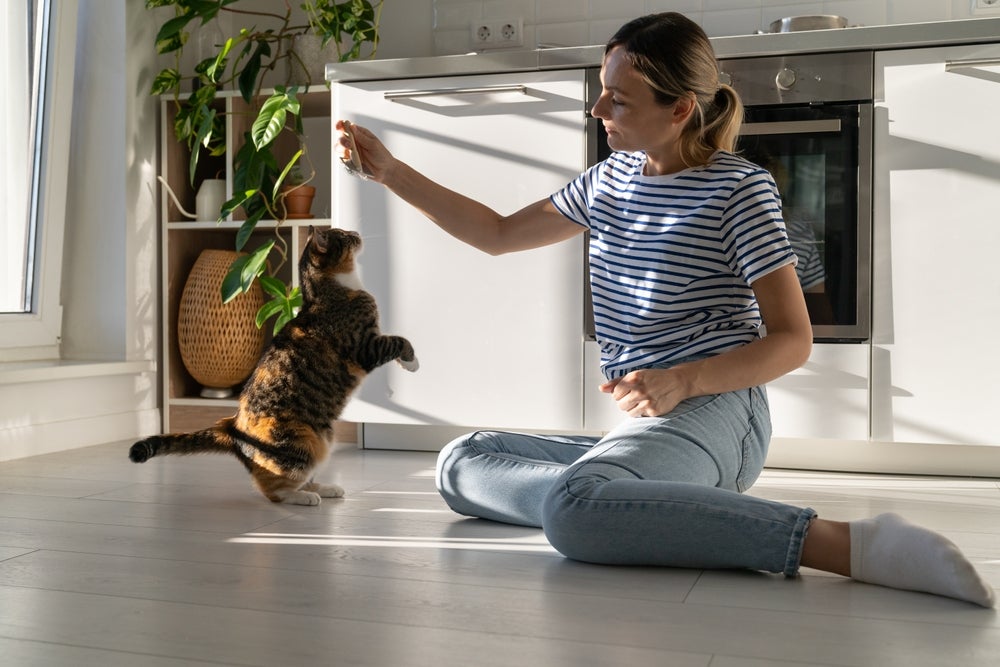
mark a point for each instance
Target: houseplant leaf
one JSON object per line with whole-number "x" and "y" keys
{"x": 273, "y": 113}
{"x": 246, "y": 229}
{"x": 165, "y": 81}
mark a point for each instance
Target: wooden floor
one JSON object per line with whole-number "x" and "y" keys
{"x": 179, "y": 562}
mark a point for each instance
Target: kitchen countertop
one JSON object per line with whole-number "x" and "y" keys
{"x": 880, "y": 38}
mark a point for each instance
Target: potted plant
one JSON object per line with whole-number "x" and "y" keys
{"x": 242, "y": 61}
{"x": 296, "y": 194}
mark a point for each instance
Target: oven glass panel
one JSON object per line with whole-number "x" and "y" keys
{"x": 812, "y": 152}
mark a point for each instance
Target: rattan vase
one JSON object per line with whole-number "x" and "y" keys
{"x": 219, "y": 343}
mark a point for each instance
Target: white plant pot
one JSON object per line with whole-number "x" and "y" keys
{"x": 210, "y": 198}
{"x": 313, "y": 56}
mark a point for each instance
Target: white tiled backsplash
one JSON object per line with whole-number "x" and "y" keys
{"x": 582, "y": 22}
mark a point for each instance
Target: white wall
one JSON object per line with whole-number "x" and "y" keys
{"x": 105, "y": 389}
{"x": 582, "y": 22}
{"x": 110, "y": 291}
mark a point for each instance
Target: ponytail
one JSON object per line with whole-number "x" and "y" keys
{"x": 674, "y": 56}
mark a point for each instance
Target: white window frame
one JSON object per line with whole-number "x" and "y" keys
{"x": 37, "y": 334}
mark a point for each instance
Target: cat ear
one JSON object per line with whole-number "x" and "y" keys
{"x": 320, "y": 241}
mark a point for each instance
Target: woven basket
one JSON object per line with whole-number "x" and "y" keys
{"x": 219, "y": 343}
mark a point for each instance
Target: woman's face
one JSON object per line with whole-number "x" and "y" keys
{"x": 634, "y": 119}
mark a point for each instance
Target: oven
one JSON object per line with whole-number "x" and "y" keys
{"x": 809, "y": 122}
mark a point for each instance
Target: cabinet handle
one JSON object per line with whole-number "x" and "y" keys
{"x": 791, "y": 127}
{"x": 408, "y": 94}
{"x": 951, "y": 65}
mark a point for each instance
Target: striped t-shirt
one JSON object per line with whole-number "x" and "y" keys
{"x": 672, "y": 257}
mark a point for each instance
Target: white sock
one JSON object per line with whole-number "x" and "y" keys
{"x": 890, "y": 551}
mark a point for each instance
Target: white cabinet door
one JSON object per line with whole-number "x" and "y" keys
{"x": 827, "y": 398}
{"x": 499, "y": 339}
{"x": 936, "y": 370}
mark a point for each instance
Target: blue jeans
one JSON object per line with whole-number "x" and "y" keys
{"x": 661, "y": 490}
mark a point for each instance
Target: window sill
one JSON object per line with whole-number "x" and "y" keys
{"x": 19, "y": 372}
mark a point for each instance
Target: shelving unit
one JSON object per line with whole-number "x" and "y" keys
{"x": 182, "y": 239}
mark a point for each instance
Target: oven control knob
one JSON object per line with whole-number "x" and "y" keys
{"x": 726, "y": 78}
{"x": 785, "y": 79}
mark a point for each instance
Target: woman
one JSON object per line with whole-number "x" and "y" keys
{"x": 689, "y": 261}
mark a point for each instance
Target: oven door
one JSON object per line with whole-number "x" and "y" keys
{"x": 821, "y": 157}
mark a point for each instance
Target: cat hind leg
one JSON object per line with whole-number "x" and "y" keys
{"x": 279, "y": 489}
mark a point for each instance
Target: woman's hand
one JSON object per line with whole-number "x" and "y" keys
{"x": 376, "y": 160}
{"x": 656, "y": 391}
{"x": 649, "y": 392}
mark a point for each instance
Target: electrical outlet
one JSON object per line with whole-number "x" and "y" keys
{"x": 986, "y": 6}
{"x": 498, "y": 34}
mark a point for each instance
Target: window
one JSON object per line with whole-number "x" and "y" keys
{"x": 15, "y": 226}
{"x": 38, "y": 44}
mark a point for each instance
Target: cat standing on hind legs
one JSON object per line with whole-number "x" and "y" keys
{"x": 282, "y": 428}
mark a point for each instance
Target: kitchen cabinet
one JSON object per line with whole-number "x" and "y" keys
{"x": 936, "y": 300}
{"x": 183, "y": 239}
{"x": 499, "y": 339}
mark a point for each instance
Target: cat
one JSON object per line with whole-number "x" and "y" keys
{"x": 303, "y": 380}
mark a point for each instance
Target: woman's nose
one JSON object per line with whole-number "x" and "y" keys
{"x": 595, "y": 110}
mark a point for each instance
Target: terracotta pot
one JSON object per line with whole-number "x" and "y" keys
{"x": 298, "y": 200}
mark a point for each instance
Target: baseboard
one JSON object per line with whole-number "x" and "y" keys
{"x": 31, "y": 440}
{"x": 903, "y": 458}
{"x": 899, "y": 458}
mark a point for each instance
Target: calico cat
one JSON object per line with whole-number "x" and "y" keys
{"x": 303, "y": 380}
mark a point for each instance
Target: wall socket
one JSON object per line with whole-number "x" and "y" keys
{"x": 986, "y": 6}
{"x": 499, "y": 34}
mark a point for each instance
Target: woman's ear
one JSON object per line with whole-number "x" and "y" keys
{"x": 683, "y": 108}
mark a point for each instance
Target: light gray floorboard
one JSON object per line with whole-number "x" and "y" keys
{"x": 179, "y": 561}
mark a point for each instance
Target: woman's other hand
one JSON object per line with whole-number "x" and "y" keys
{"x": 649, "y": 392}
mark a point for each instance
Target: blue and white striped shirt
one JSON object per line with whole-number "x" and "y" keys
{"x": 672, "y": 257}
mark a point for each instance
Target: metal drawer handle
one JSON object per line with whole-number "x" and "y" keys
{"x": 791, "y": 127}
{"x": 408, "y": 94}
{"x": 966, "y": 64}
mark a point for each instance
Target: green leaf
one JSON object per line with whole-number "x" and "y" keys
{"x": 283, "y": 318}
{"x": 255, "y": 265}
{"x": 248, "y": 77}
{"x": 284, "y": 173}
{"x": 269, "y": 309}
{"x": 203, "y": 138}
{"x": 212, "y": 69}
{"x": 291, "y": 305}
{"x": 232, "y": 284}
{"x": 273, "y": 286}
{"x": 165, "y": 81}
{"x": 270, "y": 121}
{"x": 171, "y": 35}
{"x": 246, "y": 229}
{"x": 238, "y": 199}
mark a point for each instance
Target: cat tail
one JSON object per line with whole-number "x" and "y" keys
{"x": 213, "y": 440}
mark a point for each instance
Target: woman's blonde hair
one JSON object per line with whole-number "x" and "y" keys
{"x": 673, "y": 55}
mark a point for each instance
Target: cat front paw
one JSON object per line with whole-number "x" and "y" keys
{"x": 302, "y": 498}
{"x": 324, "y": 490}
{"x": 330, "y": 491}
{"x": 412, "y": 365}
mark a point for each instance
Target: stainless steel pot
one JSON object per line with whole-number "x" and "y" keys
{"x": 814, "y": 22}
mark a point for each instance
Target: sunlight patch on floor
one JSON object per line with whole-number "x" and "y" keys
{"x": 527, "y": 544}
